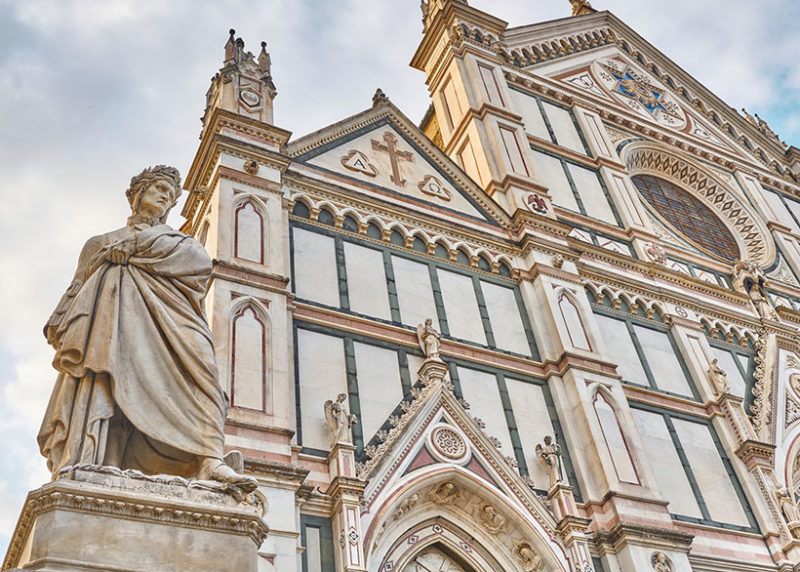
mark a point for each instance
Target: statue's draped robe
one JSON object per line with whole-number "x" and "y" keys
{"x": 137, "y": 376}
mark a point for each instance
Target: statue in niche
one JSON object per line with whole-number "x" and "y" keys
{"x": 445, "y": 493}
{"x": 550, "y": 457}
{"x": 660, "y": 562}
{"x": 491, "y": 520}
{"x": 748, "y": 278}
{"x": 788, "y": 505}
{"x": 429, "y": 339}
{"x": 340, "y": 421}
{"x": 718, "y": 378}
{"x": 528, "y": 559}
{"x": 137, "y": 386}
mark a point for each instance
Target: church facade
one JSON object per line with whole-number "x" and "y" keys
{"x": 562, "y": 311}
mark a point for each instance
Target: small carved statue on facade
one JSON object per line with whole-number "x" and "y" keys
{"x": 491, "y": 520}
{"x": 128, "y": 331}
{"x": 718, "y": 378}
{"x": 429, "y": 339}
{"x": 406, "y": 506}
{"x": 528, "y": 559}
{"x": 445, "y": 493}
{"x": 549, "y": 456}
{"x": 557, "y": 260}
{"x": 748, "y": 278}
{"x": 339, "y": 420}
{"x": 788, "y": 505}
{"x": 660, "y": 562}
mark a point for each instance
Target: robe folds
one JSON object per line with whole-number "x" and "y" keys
{"x": 137, "y": 376}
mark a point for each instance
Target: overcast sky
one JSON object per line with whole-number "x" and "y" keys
{"x": 92, "y": 91}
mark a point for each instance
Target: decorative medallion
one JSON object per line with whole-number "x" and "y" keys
{"x": 358, "y": 162}
{"x": 432, "y": 186}
{"x": 448, "y": 443}
{"x": 249, "y": 97}
{"x": 536, "y": 203}
{"x": 640, "y": 92}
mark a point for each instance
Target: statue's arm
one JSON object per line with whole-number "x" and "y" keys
{"x": 86, "y": 260}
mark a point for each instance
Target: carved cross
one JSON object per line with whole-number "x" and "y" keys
{"x": 394, "y": 155}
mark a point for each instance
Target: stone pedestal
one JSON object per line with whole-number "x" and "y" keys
{"x": 106, "y": 519}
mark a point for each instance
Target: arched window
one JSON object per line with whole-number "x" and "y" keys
{"x": 248, "y": 359}
{"x": 248, "y": 233}
{"x": 572, "y": 319}
{"x": 615, "y": 440}
{"x": 689, "y": 216}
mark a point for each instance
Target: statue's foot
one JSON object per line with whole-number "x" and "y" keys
{"x": 216, "y": 470}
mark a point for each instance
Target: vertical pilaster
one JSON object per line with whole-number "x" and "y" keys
{"x": 346, "y": 492}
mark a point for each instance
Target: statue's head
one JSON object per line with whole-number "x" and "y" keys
{"x": 154, "y": 191}
{"x": 341, "y": 397}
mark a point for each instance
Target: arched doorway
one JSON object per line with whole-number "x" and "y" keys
{"x": 436, "y": 559}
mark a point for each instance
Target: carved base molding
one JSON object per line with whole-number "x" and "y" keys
{"x": 124, "y": 522}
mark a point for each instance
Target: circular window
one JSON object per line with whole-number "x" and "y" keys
{"x": 689, "y": 216}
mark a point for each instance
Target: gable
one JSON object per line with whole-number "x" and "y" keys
{"x": 388, "y": 162}
{"x": 615, "y": 78}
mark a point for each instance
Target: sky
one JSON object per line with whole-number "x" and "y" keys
{"x": 93, "y": 91}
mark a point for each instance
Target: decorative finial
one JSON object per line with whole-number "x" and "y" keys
{"x": 379, "y": 97}
{"x": 264, "y": 62}
{"x": 581, "y": 7}
{"x": 229, "y": 46}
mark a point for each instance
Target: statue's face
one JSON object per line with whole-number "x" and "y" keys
{"x": 156, "y": 199}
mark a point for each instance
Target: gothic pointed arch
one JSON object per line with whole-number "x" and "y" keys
{"x": 570, "y": 310}
{"x": 249, "y": 229}
{"x": 457, "y": 509}
{"x": 249, "y": 359}
{"x": 734, "y": 221}
{"x": 615, "y": 436}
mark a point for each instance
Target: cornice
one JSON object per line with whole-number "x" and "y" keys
{"x": 418, "y": 220}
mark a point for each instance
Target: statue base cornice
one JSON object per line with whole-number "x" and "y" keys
{"x": 99, "y": 518}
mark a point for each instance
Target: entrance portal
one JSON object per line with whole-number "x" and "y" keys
{"x": 435, "y": 560}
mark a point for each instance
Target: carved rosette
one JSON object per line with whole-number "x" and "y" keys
{"x": 448, "y": 444}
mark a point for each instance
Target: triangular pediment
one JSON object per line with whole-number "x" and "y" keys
{"x": 639, "y": 78}
{"x": 381, "y": 154}
{"x": 437, "y": 462}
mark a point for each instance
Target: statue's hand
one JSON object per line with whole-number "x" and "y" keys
{"x": 119, "y": 252}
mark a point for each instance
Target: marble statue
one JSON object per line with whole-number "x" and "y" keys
{"x": 748, "y": 278}
{"x": 339, "y": 420}
{"x": 429, "y": 339}
{"x": 718, "y": 378}
{"x": 549, "y": 457}
{"x": 788, "y": 505}
{"x": 137, "y": 384}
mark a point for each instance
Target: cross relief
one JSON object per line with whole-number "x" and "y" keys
{"x": 359, "y": 162}
{"x": 395, "y": 156}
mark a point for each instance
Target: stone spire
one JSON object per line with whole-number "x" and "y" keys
{"x": 244, "y": 84}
